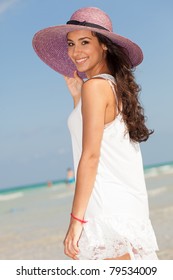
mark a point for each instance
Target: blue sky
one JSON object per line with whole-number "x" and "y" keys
{"x": 35, "y": 142}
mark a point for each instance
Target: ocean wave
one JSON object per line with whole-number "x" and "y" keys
{"x": 157, "y": 191}
{"x": 6, "y": 197}
{"x": 159, "y": 170}
{"x": 62, "y": 195}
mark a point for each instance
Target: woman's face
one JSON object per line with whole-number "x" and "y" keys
{"x": 86, "y": 52}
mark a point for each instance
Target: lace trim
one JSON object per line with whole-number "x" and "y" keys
{"x": 115, "y": 237}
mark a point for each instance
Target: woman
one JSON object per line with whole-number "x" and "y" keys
{"x": 109, "y": 217}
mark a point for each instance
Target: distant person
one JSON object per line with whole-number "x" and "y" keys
{"x": 110, "y": 215}
{"x": 70, "y": 179}
{"x": 49, "y": 184}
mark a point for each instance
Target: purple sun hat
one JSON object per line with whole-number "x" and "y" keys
{"x": 50, "y": 43}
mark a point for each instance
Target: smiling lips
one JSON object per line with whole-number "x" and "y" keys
{"x": 80, "y": 61}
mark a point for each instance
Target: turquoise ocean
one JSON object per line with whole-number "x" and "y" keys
{"x": 150, "y": 171}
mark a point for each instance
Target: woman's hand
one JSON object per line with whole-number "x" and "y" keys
{"x": 71, "y": 248}
{"x": 74, "y": 85}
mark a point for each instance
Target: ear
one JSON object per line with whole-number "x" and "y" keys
{"x": 104, "y": 47}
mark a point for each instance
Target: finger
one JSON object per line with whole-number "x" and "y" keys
{"x": 75, "y": 257}
{"x": 66, "y": 250}
{"x": 71, "y": 256}
{"x": 73, "y": 249}
{"x": 66, "y": 78}
{"x": 75, "y": 246}
{"x": 76, "y": 76}
{"x": 69, "y": 248}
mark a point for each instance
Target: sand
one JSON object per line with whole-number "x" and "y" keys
{"x": 34, "y": 222}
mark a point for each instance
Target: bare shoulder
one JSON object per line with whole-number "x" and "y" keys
{"x": 96, "y": 88}
{"x": 95, "y": 83}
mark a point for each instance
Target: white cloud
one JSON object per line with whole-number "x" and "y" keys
{"x": 6, "y": 5}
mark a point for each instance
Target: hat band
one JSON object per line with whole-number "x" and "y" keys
{"x": 85, "y": 23}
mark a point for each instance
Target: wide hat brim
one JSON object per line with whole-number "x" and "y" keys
{"x": 50, "y": 44}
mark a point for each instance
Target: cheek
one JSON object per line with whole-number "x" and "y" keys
{"x": 97, "y": 51}
{"x": 100, "y": 53}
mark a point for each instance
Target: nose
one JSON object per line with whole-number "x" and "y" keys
{"x": 76, "y": 50}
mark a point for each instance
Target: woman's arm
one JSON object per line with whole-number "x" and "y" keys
{"x": 94, "y": 102}
{"x": 75, "y": 86}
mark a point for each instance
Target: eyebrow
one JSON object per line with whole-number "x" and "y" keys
{"x": 80, "y": 39}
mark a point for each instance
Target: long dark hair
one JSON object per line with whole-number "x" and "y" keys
{"x": 127, "y": 90}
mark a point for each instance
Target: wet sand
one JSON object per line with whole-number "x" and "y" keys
{"x": 34, "y": 222}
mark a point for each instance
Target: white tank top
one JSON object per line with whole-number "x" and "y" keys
{"x": 120, "y": 167}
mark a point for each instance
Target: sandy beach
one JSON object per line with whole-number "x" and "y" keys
{"x": 34, "y": 222}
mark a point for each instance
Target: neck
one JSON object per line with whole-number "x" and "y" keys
{"x": 95, "y": 72}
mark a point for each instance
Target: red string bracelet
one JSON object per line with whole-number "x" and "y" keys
{"x": 79, "y": 220}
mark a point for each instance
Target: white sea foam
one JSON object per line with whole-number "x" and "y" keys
{"x": 62, "y": 195}
{"x": 157, "y": 191}
{"x": 155, "y": 171}
{"x": 6, "y": 197}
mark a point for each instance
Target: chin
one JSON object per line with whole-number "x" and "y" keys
{"x": 82, "y": 69}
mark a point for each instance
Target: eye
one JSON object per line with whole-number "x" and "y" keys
{"x": 70, "y": 44}
{"x": 85, "y": 42}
